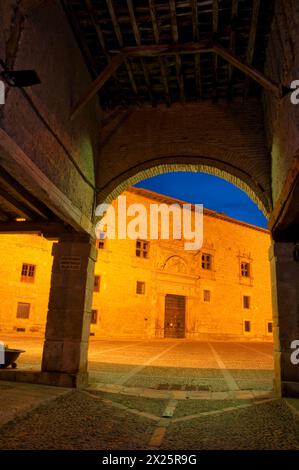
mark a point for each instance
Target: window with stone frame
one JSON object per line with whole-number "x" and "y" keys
{"x": 142, "y": 248}
{"x": 97, "y": 283}
{"x": 94, "y": 317}
{"x": 206, "y": 295}
{"x": 23, "y": 310}
{"x": 140, "y": 287}
{"x": 245, "y": 269}
{"x": 28, "y": 272}
{"x": 206, "y": 261}
{"x": 247, "y": 326}
{"x": 246, "y": 302}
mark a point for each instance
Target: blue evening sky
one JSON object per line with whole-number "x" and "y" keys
{"x": 213, "y": 192}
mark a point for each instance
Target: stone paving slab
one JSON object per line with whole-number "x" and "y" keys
{"x": 179, "y": 394}
{"x": 17, "y": 399}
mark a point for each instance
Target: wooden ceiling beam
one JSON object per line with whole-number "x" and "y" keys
{"x": 178, "y": 61}
{"x": 19, "y": 207}
{"x": 101, "y": 39}
{"x": 252, "y": 39}
{"x": 232, "y": 45}
{"x": 194, "y": 17}
{"x": 169, "y": 49}
{"x": 134, "y": 22}
{"x": 4, "y": 215}
{"x": 51, "y": 230}
{"x": 97, "y": 27}
{"x": 195, "y": 31}
{"x": 248, "y": 70}
{"x": 159, "y": 50}
{"x": 34, "y": 204}
{"x": 118, "y": 34}
{"x": 173, "y": 20}
{"x": 253, "y": 30}
{"x": 152, "y": 7}
{"x": 97, "y": 84}
{"x": 138, "y": 42}
{"x": 215, "y": 10}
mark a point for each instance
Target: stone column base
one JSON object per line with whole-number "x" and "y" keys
{"x": 56, "y": 379}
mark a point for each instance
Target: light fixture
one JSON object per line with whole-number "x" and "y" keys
{"x": 20, "y": 219}
{"x": 19, "y": 78}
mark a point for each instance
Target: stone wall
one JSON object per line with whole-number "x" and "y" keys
{"x": 124, "y": 313}
{"x": 37, "y": 35}
{"x": 281, "y": 116}
{"x": 227, "y": 140}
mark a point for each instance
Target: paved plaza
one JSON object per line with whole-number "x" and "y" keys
{"x": 181, "y": 365}
{"x": 174, "y": 394}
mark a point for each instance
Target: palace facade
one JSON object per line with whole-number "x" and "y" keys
{"x": 152, "y": 288}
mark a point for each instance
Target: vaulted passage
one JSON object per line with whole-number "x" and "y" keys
{"x": 99, "y": 96}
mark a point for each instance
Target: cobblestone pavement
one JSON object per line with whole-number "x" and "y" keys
{"x": 16, "y": 399}
{"x": 155, "y": 395}
{"x": 182, "y": 364}
{"x": 85, "y": 420}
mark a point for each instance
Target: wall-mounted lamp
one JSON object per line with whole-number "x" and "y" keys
{"x": 19, "y": 78}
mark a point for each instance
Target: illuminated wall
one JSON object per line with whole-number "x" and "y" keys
{"x": 121, "y": 312}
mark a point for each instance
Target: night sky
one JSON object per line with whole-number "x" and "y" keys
{"x": 213, "y": 192}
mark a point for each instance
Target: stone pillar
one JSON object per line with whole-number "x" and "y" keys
{"x": 65, "y": 352}
{"x": 285, "y": 292}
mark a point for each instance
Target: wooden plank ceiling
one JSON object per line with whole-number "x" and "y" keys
{"x": 104, "y": 28}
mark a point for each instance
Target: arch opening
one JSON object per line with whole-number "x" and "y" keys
{"x": 237, "y": 177}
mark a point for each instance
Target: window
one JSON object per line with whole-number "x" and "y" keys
{"x": 246, "y": 301}
{"x": 97, "y": 283}
{"x": 94, "y": 317}
{"x": 206, "y": 261}
{"x": 102, "y": 240}
{"x": 245, "y": 269}
{"x": 269, "y": 327}
{"x": 247, "y": 326}
{"x": 28, "y": 272}
{"x": 23, "y": 310}
{"x": 140, "y": 287}
{"x": 142, "y": 248}
{"x": 207, "y": 296}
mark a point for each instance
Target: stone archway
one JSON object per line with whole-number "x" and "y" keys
{"x": 231, "y": 174}
{"x": 224, "y": 140}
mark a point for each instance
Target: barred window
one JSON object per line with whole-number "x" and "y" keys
{"x": 247, "y": 326}
{"x": 23, "y": 310}
{"x": 142, "y": 248}
{"x": 28, "y": 272}
{"x": 245, "y": 269}
{"x": 140, "y": 287}
{"x": 206, "y": 261}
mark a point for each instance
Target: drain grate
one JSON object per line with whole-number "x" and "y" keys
{"x": 184, "y": 387}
